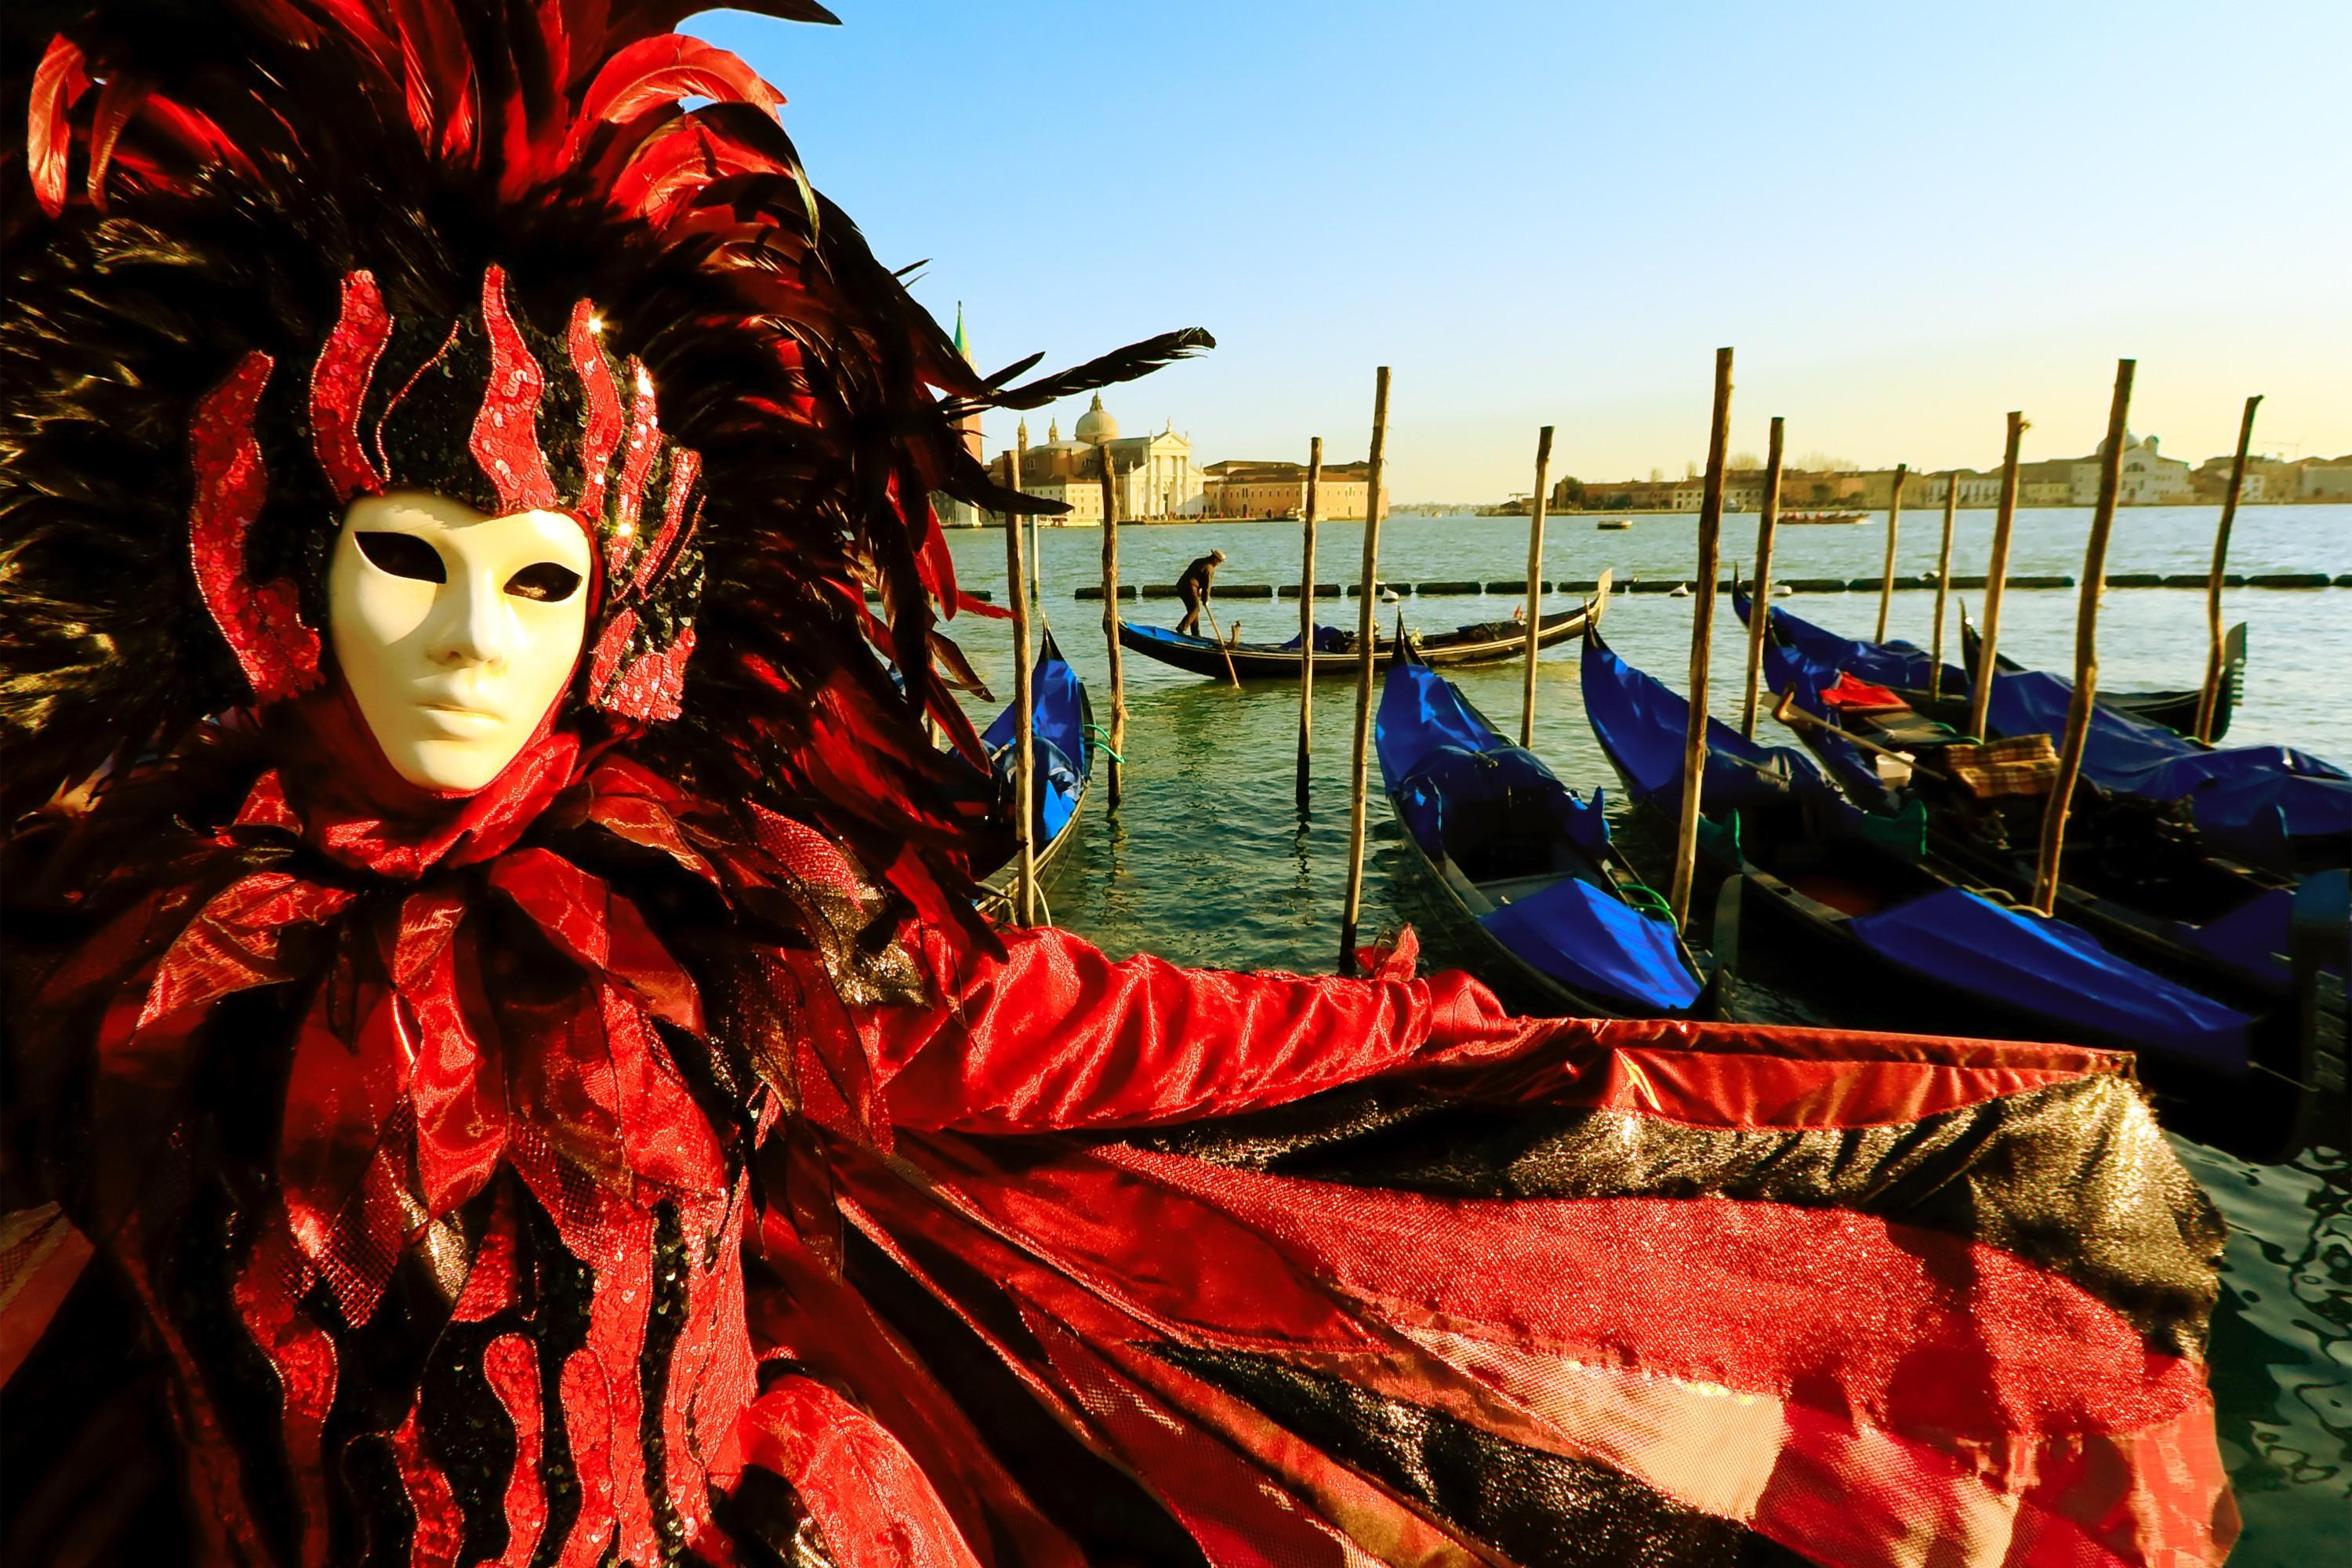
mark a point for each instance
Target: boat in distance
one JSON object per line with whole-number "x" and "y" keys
{"x": 1487, "y": 642}
{"x": 1824, "y": 517}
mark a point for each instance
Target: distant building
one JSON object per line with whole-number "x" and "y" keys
{"x": 2147, "y": 477}
{"x": 1243, "y": 487}
{"x": 2325, "y": 479}
{"x": 1153, "y": 476}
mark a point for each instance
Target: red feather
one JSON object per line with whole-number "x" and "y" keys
{"x": 656, "y": 73}
{"x": 58, "y": 83}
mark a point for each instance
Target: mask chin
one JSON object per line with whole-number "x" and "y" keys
{"x": 456, "y": 634}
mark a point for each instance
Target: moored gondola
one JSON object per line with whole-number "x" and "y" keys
{"x": 1335, "y": 652}
{"x": 1905, "y": 669}
{"x": 1063, "y": 750}
{"x": 1529, "y": 863}
{"x": 1856, "y": 912}
{"x": 2174, "y": 710}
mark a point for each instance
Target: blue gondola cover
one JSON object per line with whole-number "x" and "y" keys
{"x": 2054, "y": 970}
{"x": 1583, "y": 937}
{"x": 1057, "y": 700}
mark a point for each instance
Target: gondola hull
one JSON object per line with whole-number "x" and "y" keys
{"x": 1064, "y": 709}
{"x": 1490, "y": 644}
{"x": 1890, "y": 944}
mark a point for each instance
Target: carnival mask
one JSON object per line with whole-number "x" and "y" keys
{"x": 500, "y": 488}
{"x": 455, "y": 632}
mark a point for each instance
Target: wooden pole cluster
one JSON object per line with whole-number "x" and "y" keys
{"x": 1943, "y": 588}
{"x": 1117, "y": 742}
{"x": 1893, "y": 517}
{"x": 1996, "y": 576}
{"x": 1760, "y": 615}
{"x": 1710, "y": 537}
{"x": 1366, "y": 650}
{"x": 2086, "y": 649}
{"x": 1025, "y": 723}
{"x": 2209, "y": 700}
{"x": 1307, "y": 615}
{"x": 1535, "y": 583}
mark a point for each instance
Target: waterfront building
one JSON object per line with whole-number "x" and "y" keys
{"x": 1247, "y": 487}
{"x": 1153, "y": 476}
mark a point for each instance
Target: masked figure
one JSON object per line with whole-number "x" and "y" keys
{"x": 503, "y": 1067}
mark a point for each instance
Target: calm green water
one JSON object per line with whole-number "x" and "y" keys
{"x": 1209, "y": 863}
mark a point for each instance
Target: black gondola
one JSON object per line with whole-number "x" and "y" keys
{"x": 1559, "y": 913}
{"x": 1854, "y": 908}
{"x": 1063, "y": 750}
{"x": 2173, "y": 710}
{"x": 1487, "y": 642}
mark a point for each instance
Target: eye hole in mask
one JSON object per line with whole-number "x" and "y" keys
{"x": 403, "y": 555}
{"x": 546, "y": 582}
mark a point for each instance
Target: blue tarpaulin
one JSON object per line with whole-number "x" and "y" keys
{"x": 1896, "y": 664}
{"x": 2244, "y": 797}
{"x": 1058, "y": 702}
{"x": 1437, "y": 752}
{"x": 1640, "y": 723}
{"x": 1582, "y": 936}
{"x": 2054, "y": 970}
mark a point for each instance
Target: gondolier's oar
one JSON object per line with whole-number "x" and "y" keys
{"x": 1220, "y": 643}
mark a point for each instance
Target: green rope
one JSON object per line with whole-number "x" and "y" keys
{"x": 1102, "y": 743}
{"x": 1647, "y": 899}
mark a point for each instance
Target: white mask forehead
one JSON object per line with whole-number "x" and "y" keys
{"x": 456, "y": 631}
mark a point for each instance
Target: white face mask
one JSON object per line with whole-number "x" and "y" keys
{"x": 455, "y": 632}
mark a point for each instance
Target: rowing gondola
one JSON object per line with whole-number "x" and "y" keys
{"x": 1063, "y": 754}
{"x": 1336, "y": 653}
{"x": 1561, "y": 917}
{"x": 1854, "y": 913}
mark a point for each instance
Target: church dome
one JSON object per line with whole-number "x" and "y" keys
{"x": 1096, "y": 426}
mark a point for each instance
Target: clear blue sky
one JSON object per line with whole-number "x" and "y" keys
{"x": 1907, "y": 219}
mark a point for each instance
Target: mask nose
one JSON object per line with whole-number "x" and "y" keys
{"x": 471, "y": 624}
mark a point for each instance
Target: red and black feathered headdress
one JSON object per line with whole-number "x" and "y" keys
{"x": 268, "y": 255}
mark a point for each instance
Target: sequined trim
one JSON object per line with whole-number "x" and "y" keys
{"x": 339, "y": 387}
{"x": 600, "y": 432}
{"x": 505, "y": 441}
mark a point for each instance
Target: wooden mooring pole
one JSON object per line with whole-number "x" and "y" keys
{"x": 1535, "y": 583}
{"x": 1710, "y": 538}
{"x": 1367, "y": 650}
{"x": 2216, "y": 661}
{"x": 1117, "y": 741}
{"x": 1893, "y": 517}
{"x": 2086, "y": 650}
{"x": 1943, "y": 587}
{"x": 1307, "y": 615}
{"x": 1760, "y": 614}
{"x": 2004, "y": 522}
{"x": 1025, "y": 723}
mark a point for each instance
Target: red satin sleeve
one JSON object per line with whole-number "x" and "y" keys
{"x": 1059, "y": 1036}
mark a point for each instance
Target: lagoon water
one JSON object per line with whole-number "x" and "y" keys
{"x": 1208, "y": 862}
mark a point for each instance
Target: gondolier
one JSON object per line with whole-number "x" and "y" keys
{"x": 1192, "y": 588}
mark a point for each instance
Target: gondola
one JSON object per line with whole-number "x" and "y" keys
{"x": 2174, "y": 710}
{"x": 1560, "y": 916}
{"x": 1906, "y": 667}
{"x": 1856, "y": 912}
{"x": 1064, "y": 752}
{"x": 2136, "y": 880}
{"x": 1487, "y": 642}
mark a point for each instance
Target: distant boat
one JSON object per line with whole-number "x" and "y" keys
{"x": 1614, "y": 522}
{"x": 1824, "y": 517}
{"x": 1488, "y": 642}
{"x": 1679, "y": 591}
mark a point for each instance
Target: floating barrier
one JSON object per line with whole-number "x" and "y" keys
{"x": 1465, "y": 587}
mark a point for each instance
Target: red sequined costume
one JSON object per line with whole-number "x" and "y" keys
{"x": 648, "y": 1158}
